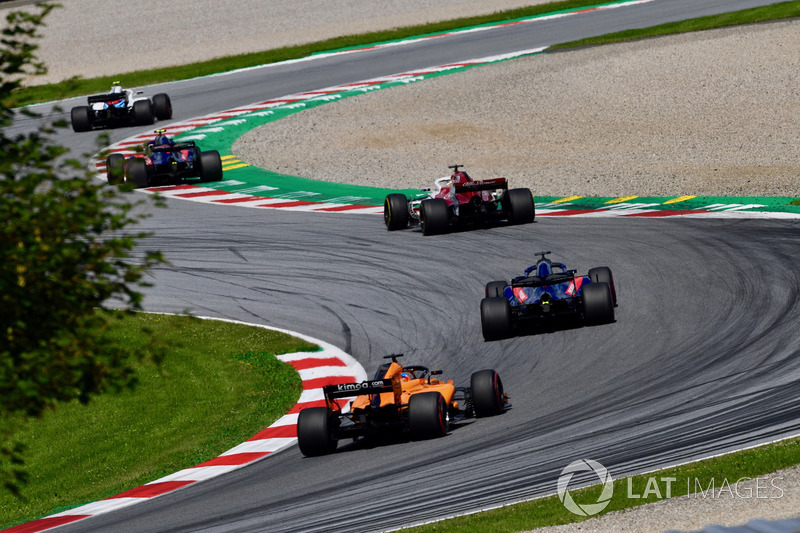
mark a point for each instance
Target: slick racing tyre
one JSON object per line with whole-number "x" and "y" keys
{"x": 162, "y": 106}
{"x": 495, "y": 288}
{"x": 143, "y": 112}
{"x": 487, "y": 393}
{"x": 520, "y": 207}
{"x": 433, "y": 217}
{"x": 495, "y": 318}
{"x": 210, "y": 166}
{"x": 427, "y": 416}
{"x": 137, "y": 172}
{"x": 395, "y": 212}
{"x": 81, "y": 118}
{"x": 315, "y": 427}
{"x": 603, "y": 275}
{"x": 598, "y": 307}
{"x": 115, "y": 168}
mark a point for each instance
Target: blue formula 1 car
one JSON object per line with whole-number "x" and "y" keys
{"x": 545, "y": 292}
{"x": 165, "y": 162}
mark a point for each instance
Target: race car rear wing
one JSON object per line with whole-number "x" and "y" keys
{"x": 348, "y": 390}
{"x": 483, "y": 185}
{"x": 173, "y": 148}
{"x": 96, "y": 99}
{"x": 345, "y": 390}
{"x": 552, "y": 279}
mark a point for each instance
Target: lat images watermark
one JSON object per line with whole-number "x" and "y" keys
{"x": 660, "y": 487}
{"x": 585, "y": 509}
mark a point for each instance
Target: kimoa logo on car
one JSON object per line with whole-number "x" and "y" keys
{"x": 586, "y": 509}
{"x": 358, "y": 386}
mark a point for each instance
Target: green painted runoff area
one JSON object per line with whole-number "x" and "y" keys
{"x": 221, "y": 136}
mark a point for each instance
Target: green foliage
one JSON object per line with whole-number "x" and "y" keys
{"x": 64, "y": 251}
{"x": 220, "y": 385}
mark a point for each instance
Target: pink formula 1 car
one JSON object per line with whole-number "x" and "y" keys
{"x": 459, "y": 200}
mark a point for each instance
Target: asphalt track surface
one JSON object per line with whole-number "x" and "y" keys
{"x": 701, "y": 359}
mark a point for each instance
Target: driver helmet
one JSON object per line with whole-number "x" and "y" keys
{"x": 406, "y": 376}
{"x": 116, "y": 88}
{"x": 161, "y": 138}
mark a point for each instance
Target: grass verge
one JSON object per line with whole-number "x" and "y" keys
{"x": 78, "y": 86}
{"x": 218, "y": 386}
{"x": 781, "y": 11}
{"x": 697, "y": 480}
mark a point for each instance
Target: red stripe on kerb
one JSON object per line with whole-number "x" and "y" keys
{"x": 280, "y": 101}
{"x": 203, "y": 193}
{"x": 233, "y": 459}
{"x": 280, "y": 432}
{"x": 296, "y": 203}
{"x": 317, "y": 403}
{"x": 240, "y": 200}
{"x": 305, "y": 405}
{"x": 570, "y": 212}
{"x": 346, "y": 208}
{"x": 153, "y": 489}
{"x": 45, "y": 523}
{"x": 664, "y": 213}
{"x": 331, "y": 380}
{"x": 175, "y": 188}
{"x": 302, "y": 364}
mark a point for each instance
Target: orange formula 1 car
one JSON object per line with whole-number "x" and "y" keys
{"x": 399, "y": 400}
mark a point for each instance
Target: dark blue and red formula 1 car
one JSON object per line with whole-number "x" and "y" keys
{"x": 165, "y": 162}
{"x": 459, "y": 200}
{"x": 545, "y": 292}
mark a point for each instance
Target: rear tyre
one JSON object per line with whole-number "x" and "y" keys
{"x": 603, "y": 275}
{"x": 520, "y": 206}
{"x": 487, "y": 393}
{"x": 210, "y": 166}
{"x": 115, "y": 168}
{"x": 143, "y": 112}
{"x": 427, "y": 416}
{"x": 81, "y": 117}
{"x": 162, "y": 106}
{"x": 433, "y": 217}
{"x": 598, "y": 308}
{"x": 395, "y": 212}
{"x": 495, "y": 318}
{"x": 315, "y": 426}
{"x": 495, "y": 288}
{"x": 137, "y": 172}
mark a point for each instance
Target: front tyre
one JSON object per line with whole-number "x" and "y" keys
{"x": 315, "y": 426}
{"x": 495, "y": 318}
{"x": 495, "y": 288}
{"x": 395, "y": 212}
{"x": 427, "y": 416}
{"x": 488, "y": 397}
